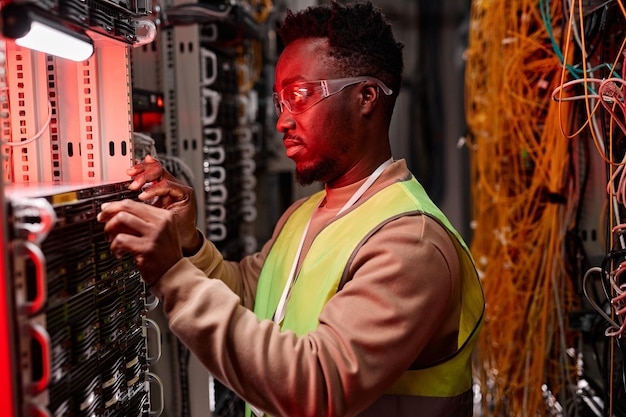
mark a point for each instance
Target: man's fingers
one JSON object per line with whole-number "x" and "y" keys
{"x": 163, "y": 189}
{"x": 129, "y": 243}
{"x": 139, "y": 167}
{"x": 149, "y": 233}
{"x": 123, "y": 223}
{"x": 141, "y": 211}
{"x": 150, "y": 170}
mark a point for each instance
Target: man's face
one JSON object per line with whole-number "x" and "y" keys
{"x": 321, "y": 139}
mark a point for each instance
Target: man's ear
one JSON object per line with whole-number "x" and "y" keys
{"x": 370, "y": 94}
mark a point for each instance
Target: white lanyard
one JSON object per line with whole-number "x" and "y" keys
{"x": 280, "y": 310}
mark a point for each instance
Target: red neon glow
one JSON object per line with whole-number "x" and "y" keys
{"x": 6, "y": 387}
{"x": 145, "y": 122}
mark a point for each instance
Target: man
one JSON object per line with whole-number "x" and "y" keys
{"x": 366, "y": 301}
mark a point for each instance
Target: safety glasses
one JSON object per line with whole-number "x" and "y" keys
{"x": 302, "y": 95}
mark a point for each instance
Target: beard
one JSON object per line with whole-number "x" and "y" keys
{"x": 321, "y": 172}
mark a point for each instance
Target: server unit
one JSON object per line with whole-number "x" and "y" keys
{"x": 80, "y": 312}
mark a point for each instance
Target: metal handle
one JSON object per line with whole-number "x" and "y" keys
{"x": 150, "y": 377}
{"x": 217, "y": 232}
{"x": 212, "y": 136}
{"x": 210, "y": 100}
{"x": 34, "y": 207}
{"x": 217, "y": 193}
{"x": 39, "y": 259}
{"x": 208, "y": 65}
{"x": 151, "y": 323}
{"x": 249, "y": 213}
{"x": 41, "y": 335}
{"x": 215, "y": 154}
{"x": 151, "y": 302}
{"x": 216, "y": 174}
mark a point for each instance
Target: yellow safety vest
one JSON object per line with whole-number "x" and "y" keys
{"x": 327, "y": 262}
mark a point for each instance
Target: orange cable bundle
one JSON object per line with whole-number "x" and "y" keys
{"x": 522, "y": 207}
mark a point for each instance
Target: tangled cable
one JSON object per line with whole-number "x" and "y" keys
{"x": 614, "y": 287}
{"x": 525, "y": 121}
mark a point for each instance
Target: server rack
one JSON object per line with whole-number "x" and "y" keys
{"x": 8, "y": 380}
{"x": 207, "y": 65}
{"x": 74, "y": 332}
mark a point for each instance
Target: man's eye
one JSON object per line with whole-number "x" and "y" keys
{"x": 301, "y": 93}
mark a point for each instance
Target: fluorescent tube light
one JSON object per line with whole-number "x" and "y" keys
{"x": 32, "y": 30}
{"x": 44, "y": 38}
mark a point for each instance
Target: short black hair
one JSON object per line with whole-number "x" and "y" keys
{"x": 359, "y": 36}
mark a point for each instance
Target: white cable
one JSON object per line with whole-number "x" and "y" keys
{"x": 591, "y": 301}
{"x": 36, "y": 135}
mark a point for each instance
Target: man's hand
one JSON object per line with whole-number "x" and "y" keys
{"x": 149, "y": 233}
{"x": 163, "y": 190}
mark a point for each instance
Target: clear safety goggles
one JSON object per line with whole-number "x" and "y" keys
{"x": 302, "y": 95}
